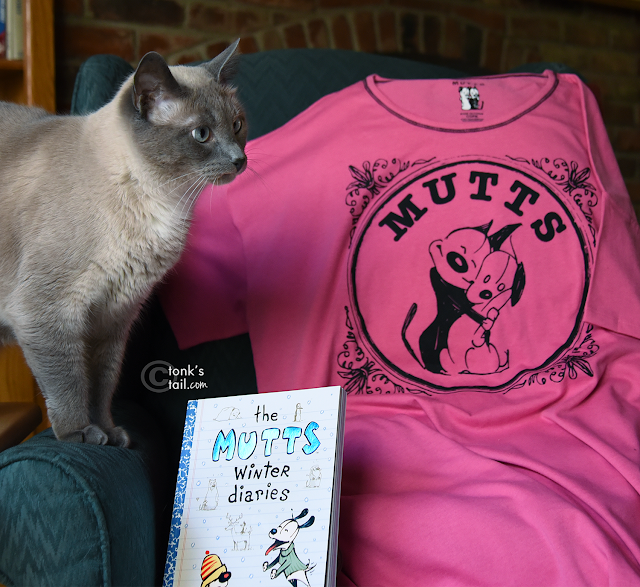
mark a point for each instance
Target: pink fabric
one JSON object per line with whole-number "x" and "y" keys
{"x": 462, "y": 257}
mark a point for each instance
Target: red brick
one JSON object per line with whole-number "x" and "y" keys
{"x": 628, "y": 167}
{"x": 215, "y": 49}
{"x": 186, "y": 58}
{"x": 613, "y": 63}
{"x": 485, "y": 18}
{"x": 493, "y": 52}
{"x": 347, "y": 3}
{"x": 288, "y": 4}
{"x": 409, "y": 33}
{"x": 341, "y": 33}
{"x": 625, "y": 39}
{"x": 535, "y": 27}
{"x": 616, "y": 112}
{"x": 431, "y": 34}
{"x": 80, "y": 42}
{"x": 66, "y": 74}
{"x": 453, "y": 39}
{"x": 166, "y": 44}
{"x": 596, "y": 90}
{"x": 387, "y": 27}
{"x": 587, "y": 33}
{"x": 576, "y": 57}
{"x": 627, "y": 139}
{"x": 430, "y": 5}
{"x": 513, "y": 55}
{"x": 158, "y": 12}
{"x": 247, "y": 21}
{"x": 318, "y": 34}
{"x": 248, "y": 45}
{"x": 209, "y": 18}
{"x": 473, "y": 37}
{"x": 365, "y": 31}
{"x": 279, "y": 18}
{"x": 532, "y": 54}
{"x": 271, "y": 40}
{"x": 634, "y": 192}
{"x": 69, "y": 8}
{"x": 294, "y": 37}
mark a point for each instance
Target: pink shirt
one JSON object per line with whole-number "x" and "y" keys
{"x": 462, "y": 257}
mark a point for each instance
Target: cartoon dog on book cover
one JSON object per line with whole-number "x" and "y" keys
{"x": 293, "y": 568}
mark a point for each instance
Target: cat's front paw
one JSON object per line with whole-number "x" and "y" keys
{"x": 94, "y": 435}
{"x": 90, "y": 434}
{"x": 118, "y": 437}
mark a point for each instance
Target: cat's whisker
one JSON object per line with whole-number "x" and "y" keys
{"x": 185, "y": 195}
{"x": 188, "y": 196}
{"x": 257, "y": 174}
{"x": 177, "y": 187}
{"x": 177, "y": 178}
{"x": 192, "y": 204}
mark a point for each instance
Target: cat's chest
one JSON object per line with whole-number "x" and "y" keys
{"x": 137, "y": 257}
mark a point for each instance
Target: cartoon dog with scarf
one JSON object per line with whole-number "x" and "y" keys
{"x": 294, "y": 570}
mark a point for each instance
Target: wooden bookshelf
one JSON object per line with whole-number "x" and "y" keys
{"x": 32, "y": 80}
{"x": 29, "y": 81}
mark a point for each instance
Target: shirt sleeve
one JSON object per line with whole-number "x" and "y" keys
{"x": 203, "y": 296}
{"x": 614, "y": 296}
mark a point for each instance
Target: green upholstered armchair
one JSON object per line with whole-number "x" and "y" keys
{"x": 74, "y": 514}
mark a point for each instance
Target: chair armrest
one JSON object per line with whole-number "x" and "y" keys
{"x": 80, "y": 514}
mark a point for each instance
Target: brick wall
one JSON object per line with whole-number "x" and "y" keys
{"x": 477, "y": 36}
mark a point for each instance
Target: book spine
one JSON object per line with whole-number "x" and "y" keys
{"x": 19, "y": 32}
{"x": 181, "y": 487}
{"x": 9, "y": 26}
{"x": 3, "y": 29}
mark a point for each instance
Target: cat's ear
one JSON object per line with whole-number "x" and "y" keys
{"x": 223, "y": 67}
{"x": 155, "y": 90}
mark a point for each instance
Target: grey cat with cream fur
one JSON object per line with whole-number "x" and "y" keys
{"x": 94, "y": 210}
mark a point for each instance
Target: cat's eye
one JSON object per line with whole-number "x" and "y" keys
{"x": 237, "y": 125}
{"x": 202, "y": 134}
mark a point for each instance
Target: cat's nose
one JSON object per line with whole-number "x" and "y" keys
{"x": 239, "y": 162}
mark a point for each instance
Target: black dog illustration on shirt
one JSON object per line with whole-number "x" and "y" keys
{"x": 458, "y": 260}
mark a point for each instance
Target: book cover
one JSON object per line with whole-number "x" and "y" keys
{"x": 258, "y": 491}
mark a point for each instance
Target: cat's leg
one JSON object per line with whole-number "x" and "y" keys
{"x": 6, "y": 335}
{"x": 56, "y": 355}
{"x": 107, "y": 352}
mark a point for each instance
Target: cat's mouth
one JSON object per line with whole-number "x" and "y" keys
{"x": 225, "y": 178}
{"x": 238, "y": 166}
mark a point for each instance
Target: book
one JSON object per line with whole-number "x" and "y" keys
{"x": 14, "y": 33}
{"x": 258, "y": 490}
{"x": 3, "y": 29}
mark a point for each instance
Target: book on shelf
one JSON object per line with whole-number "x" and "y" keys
{"x": 3, "y": 29}
{"x": 258, "y": 491}
{"x": 14, "y": 29}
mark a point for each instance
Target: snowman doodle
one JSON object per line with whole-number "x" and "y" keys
{"x": 459, "y": 259}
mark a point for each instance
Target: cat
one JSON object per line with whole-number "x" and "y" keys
{"x": 94, "y": 210}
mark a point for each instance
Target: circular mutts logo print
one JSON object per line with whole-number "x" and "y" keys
{"x": 468, "y": 276}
